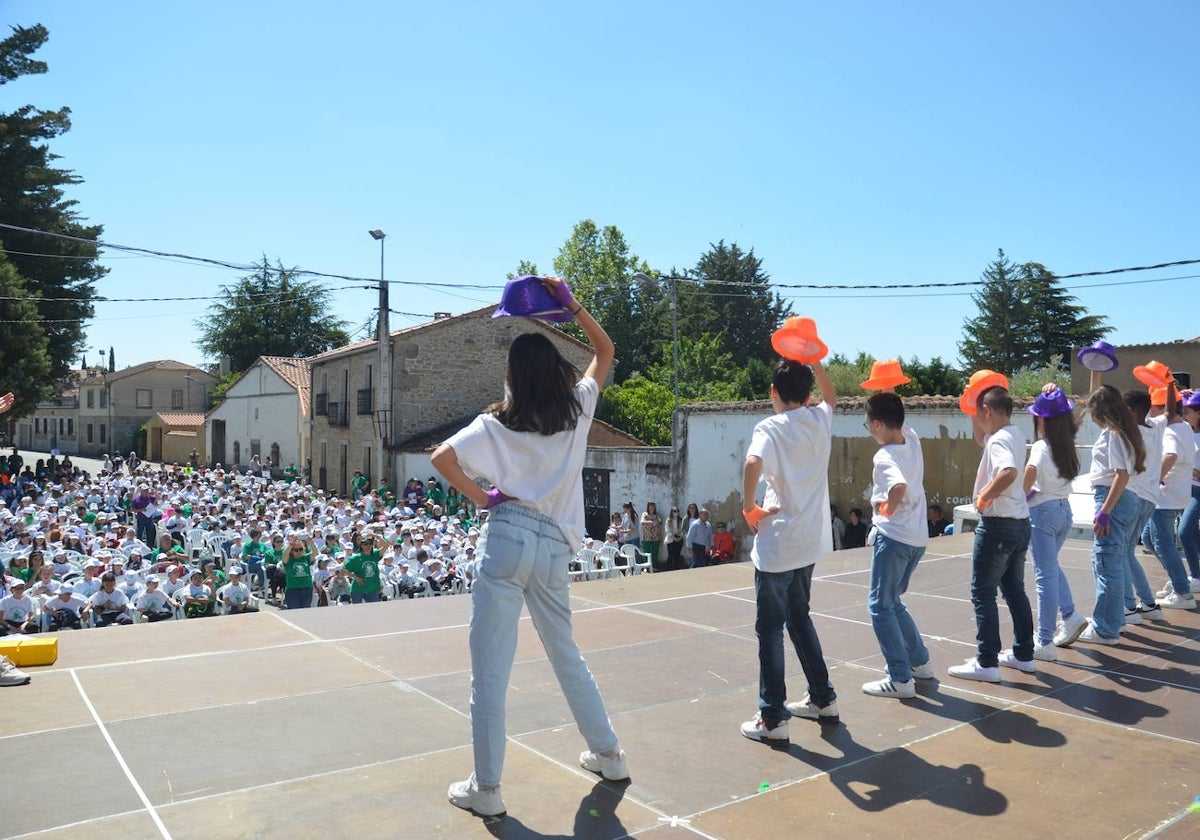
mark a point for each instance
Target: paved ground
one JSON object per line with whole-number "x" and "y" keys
{"x": 351, "y": 721}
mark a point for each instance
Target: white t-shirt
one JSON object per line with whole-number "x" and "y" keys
{"x": 1109, "y": 454}
{"x": 794, "y": 447}
{"x": 236, "y": 593}
{"x": 540, "y": 471}
{"x": 1178, "y": 438}
{"x": 86, "y": 587}
{"x": 1004, "y": 449}
{"x": 108, "y": 601}
{"x": 1145, "y": 484}
{"x": 74, "y": 603}
{"x": 155, "y": 601}
{"x": 901, "y": 463}
{"x": 17, "y": 609}
{"x": 1049, "y": 484}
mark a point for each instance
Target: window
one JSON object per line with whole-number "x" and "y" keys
{"x": 90, "y": 438}
{"x": 145, "y": 398}
{"x": 176, "y": 398}
{"x": 275, "y": 454}
{"x": 62, "y": 425}
{"x": 104, "y": 398}
{"x": 103, "y": 432}
{"x": 70, "y": 427}
{"x": 91, "y": 398}
{"x": 364, "y": 400}
{"x": 237, "y": 452}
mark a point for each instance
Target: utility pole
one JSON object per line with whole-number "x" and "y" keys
{"x": 383, "y": 408}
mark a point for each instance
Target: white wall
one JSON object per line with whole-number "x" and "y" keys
{"x": 260, "y": 406}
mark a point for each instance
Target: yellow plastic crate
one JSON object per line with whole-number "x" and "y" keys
{"x": 30, "y": 650}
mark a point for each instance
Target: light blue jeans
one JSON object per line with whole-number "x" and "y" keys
{"x": 1189, "y": 533}
{"x": 892, "y": 567}
{"x": 1162, "y": 530}
{"x": 1050, "y": 522}
{"x": 1108, "y": 563}
{"x": 523, "y": 560}
{"x": 1135, "y": 575}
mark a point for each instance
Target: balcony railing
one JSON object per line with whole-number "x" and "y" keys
{"x": 366, "y": 397}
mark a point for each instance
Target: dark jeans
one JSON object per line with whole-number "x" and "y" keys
{"x": 361, "y": 597}
{"x": 782, "y": 600}
{"x": 699, "y": 556}
{"x": 675, "y": 555}
{"x": 998, "y": 560}
{"x": 146, "y": 530}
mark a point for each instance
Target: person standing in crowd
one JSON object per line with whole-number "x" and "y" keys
{"x": 1052, "y": 467}
{"x": 676, "y": 534}
{"x": 1140, "y": 603}
{"x": 531, "y": 446}
{"x": 1175, "y": 492}
{"x": 1001, "y": 538}
{"x": 898, "y": 501}
{"x": 1189, "y": 520}
{"x": 652, "y": 533}
{"x": 297, "y": 565}
{"x": 700, "y": 540}
{"x": 629, "y": 532}
{"x": 790, "y": 452}
{"x": 854, "y": 535}
{"x": 838, "y": 527}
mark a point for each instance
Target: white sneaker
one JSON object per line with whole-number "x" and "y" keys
{"x": 757, "y": 730}
{"x": 1165, "y": 591}
{"x": 1133, "y": 616}
{"x": 1150, "y": 612}
{"x": 612, "y": 768}
{"x": 1046, "y": 653}
{"x": 1009, "y": 660}
{"x": 1070, "y": 629}
{"x": 923, "y": 672}
{"x": 10, "y": 674}
{"x": 467, "y": 795}
{"x": 887, "y": 688}
{"x": 1090, "y": 635}
{"x": 809, "y": 710}
{"x": 972, "y": 670}
{"x": 1194, "y": 584}
{"x": 1175, "y": 601}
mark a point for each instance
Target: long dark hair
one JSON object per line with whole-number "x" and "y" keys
{"x": 1059, "y": 434}
{"x": 1110, "y": 412}
{"x": 539, "y": 393}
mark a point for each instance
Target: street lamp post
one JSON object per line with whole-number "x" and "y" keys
{"x": 383, "y": 409}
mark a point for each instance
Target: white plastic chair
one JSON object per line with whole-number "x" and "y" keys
{"x": 638, "y": 559}
{"x": 581, "y": 564}
{"x": 623, "y": 560}
{"x": 604, "y": 563}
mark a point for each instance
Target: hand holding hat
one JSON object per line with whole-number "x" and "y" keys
{"x": 536, "y": 297}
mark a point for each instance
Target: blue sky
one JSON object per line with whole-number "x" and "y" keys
{"x": 862, "y": 143}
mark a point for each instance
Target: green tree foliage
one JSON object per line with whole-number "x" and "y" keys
{"x": 642, "y": 408}
{"x": 734, "y": 299}
{"x": 59, "y": 273}
{"x": 23, "y": 352}
{"x": 599, "y": 268}
{"x": 1025, "y": 317}
{"x": 271, "y": 312}
{"x": 1028, "y": 381}
{"x": 934, "y": 378}
{"x": 524, "y": 267}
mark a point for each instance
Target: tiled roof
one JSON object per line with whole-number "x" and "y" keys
{"x": 179, "y": 418}
{"x": 103, "y": 375}
{"x": 294, "y": 372}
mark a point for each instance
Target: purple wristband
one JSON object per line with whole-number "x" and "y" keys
{"x": 562, "y": 296}
{"x": 1104, "y": 520}
{"x": 496, "y": 496}
{"x": 1029, "y": 496}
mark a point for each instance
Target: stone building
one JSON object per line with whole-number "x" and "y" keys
{"x": 441, "y": 371}
{"x": 1182, "y": 357}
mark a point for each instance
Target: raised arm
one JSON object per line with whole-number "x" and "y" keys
{"x": 605, "y": 352}
{"x": 828, "y": 392}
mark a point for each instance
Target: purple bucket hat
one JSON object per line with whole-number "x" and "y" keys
{"x": 1100, "y": 357}
{"x": 1192, "y": 400}
{"x": 1052, "y": 404}
{"x": 526, "y": 296}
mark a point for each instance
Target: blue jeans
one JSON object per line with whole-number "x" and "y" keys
{"x": 1049, "y": 523}
{"x": 297, "y": 598}
{"x": 1135, "y": 575}
{"x": 892, "y": 567}
{"x": 1108, "y": 563}
{"x": 1162, "y": 529}
{"x": 364, "y": 597}
{"x": 1189, "y": 534}
{"x": 782, "y": 599}
{"x": 699, "y": 556}
{"x": 524, "y": 560}
{"x": 998, "y": 560}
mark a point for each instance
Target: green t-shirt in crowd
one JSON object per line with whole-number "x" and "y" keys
{"x": 366, "y": 566}
{"x": 298, "y": 570}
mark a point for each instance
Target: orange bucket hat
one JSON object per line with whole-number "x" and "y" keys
{"x": 885, "y": 375}
{"x": 1154, "y": 374}
{"x": 797, "y": 340}
{"x": 980, "y": 381}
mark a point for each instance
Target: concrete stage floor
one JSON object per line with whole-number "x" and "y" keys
{"x": 352, "y": 721}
